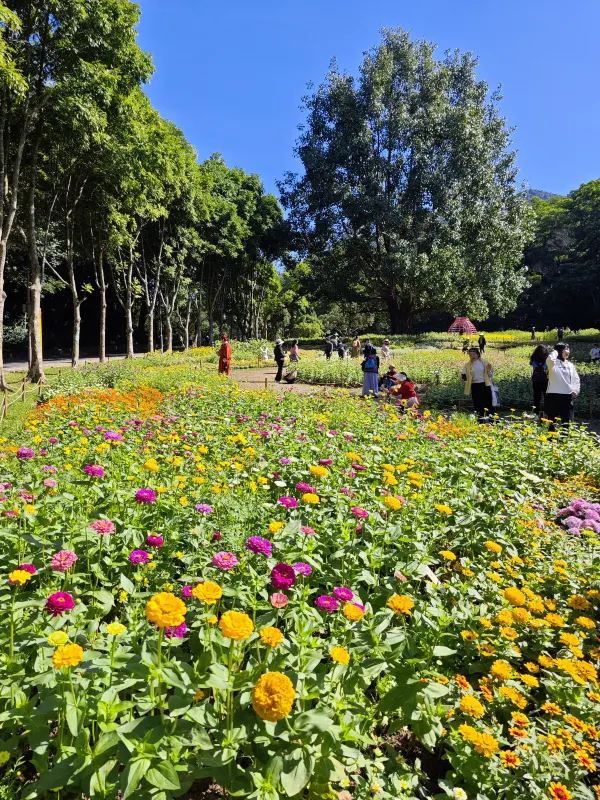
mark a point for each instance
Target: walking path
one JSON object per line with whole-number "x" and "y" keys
{"x": 264, "y": 378}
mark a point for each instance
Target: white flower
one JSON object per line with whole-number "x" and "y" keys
{"x": 459, "y": 794}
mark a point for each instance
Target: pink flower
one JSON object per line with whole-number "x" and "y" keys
{"x": 343, "y": 593}
{"x": 302, "y": 568}
{"x": 204, "y": 508}
{"x": 186, "y": 592}
{"x": 28, "y": 567}
{"x": 103, "y": 527}
{"x": 224, "y": 560}
{"x": 53, "y": 440}
{"x": 283, "y": 576}
{"x": 94, "y": 470}
{"x": 258, "y": 544}
{"x": 139, "y": 557}
{"x": 327, "y": 603}
{"x": 307, "y": 530}
{"x": 145, "y": 496}
{"x": 59, "y": 602}
{"x": 50, "y": 483}
{"x": 360, "y": 513}
{"x": 279, "y": 600}
{"x": 154, "y": 540}
{"x": 305, "y": 487}
{"x": 25, "y": 453}
{"x": 178, "y": 632}
{"x": 216, "y": 537}
{"x": 288, "y": 502}
{"x": 113, "y": 436}
{"x": 358, "y": 467}
{"x": 326, "y": 462}
{"x": 285, "y": 462}
{"x": 63, "y": 560}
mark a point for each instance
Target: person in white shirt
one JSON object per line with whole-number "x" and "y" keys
{"x": 477, "y": 375}
{"x": 563, "y": 385}
{"x": 595, "y": 354}
{"x": 386, "y": 351}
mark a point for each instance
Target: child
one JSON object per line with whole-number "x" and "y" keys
{"x": 405, "y": 391}
{"x": 389, "y": 379}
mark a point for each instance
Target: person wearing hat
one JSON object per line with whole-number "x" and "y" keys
{"x": 279, "y": 356}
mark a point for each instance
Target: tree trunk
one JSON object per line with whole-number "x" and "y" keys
{"x": 169, "y": 325}
{"x": 34, "y": 289}
{"x": 129, "y": 309}
{"x": 76, "y": 312}
{"x": 162, "y": 339}
{"x": 150, "y": 347}
{"x": 186, "y": 330}
{"x": 103, "y": 305}
{"x": 3, "y": 384}
{"x": 400, "y": 314}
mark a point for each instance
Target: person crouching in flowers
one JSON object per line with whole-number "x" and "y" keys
{"x": 404, "y": 393}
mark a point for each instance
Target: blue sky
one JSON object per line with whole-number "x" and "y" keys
{"x": 231, "y": 73}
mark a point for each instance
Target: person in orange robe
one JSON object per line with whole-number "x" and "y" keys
{"x": 225, "y": 355}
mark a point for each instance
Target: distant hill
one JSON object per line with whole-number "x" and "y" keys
{"x": 541, "y": 194}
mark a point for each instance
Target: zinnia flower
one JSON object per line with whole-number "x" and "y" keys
{"x": 19, "y": 577}
{"x": 304, "y": 487}
{"x": 558, "y": 791}
{"x": 63, "y": 560}
{"x": 353, "y": 612}
{"x": 343, "y": 593}
{"x": 113, "y": 436}
{"x": 307, "y": 530}
{"x": 283, "y": 576}
{"x": 57, "y": 638}
{"x": 59, "y": 602}
{"x": 327, "y": 603}
{"x": 207, "y": 592}
{"x": 340, "y": 655}
{"x": 224, "y": 560}
{"x": 25, "y": 453}
{"x": 67, "y": 655}
{"x": 165, "y": 610}
{"x": 471, "y": 706}
{"x": 145, "y": 496}
{"x": 302, "y": 568}
{"x": 115, "y": 629}
{"x": 311, "y": 498}
{"x": 236, "y": 625}
{"x": 273, "y": 696}
{"x": 288, "y": 502}
{"x": 186, "y": 591}
{"x": 271, "y": 637}
{"x": 279, "y": 600}
{"x": 360, "y": 513}
{"x": 50, "y": 483}
{"x": 203, "y": 508}
{"x": 139, "y": 557}
{"x": 103, "y": 527}
{"x": 31, "y": 568}
{"x": 258, "y": 544}
{"x": 154, "y": 540}
{"x": 401, "y": 604}
{"x": 176, "y": 632}
{"x": 94, "y": 470}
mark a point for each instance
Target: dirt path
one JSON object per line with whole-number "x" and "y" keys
{"x": 264, "y": 378}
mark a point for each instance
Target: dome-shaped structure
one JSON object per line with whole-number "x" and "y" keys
{"x": 462, "y": 325}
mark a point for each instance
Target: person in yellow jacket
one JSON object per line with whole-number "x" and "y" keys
{"x": 478, "y": 377}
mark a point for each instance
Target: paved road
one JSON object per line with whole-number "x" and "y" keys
{"x": 22, "y": 366}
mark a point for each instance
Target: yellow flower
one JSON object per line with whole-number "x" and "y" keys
{"x": 165, "y": 610}
{"x": 319, "y": 471}
{"x": 448, "y": 555}
{"x": 509, "y": 633}
{"x": 212, "y": 620}
{"x": 67, "y": 655}
{"x": 391, "y": 502}
{"x": 513, "y": 695}
{"x": 276, "y": 526}
{"x": 310, "y": 498}
{"x": 271, "y": 637}
{"x": 400, "y": 604}
{"x": 152, "y": 465}
{"x": 443, "y": 509}
{"x": 57, "y": 638}
{"x": 504, "y": 617}
{"x": 569, "y": 639}
{"x": 555, "y": 620}
{"x": 484, "y": 743}
{"x": 18, "y": 577}
{"x": 352, "y": 612}
{"x": 501, "y": 670}
{"x": 273, "y": 696}
{"x": 471, "y": 706}
{"x": 29, "y": 509}
{"x": 115, "y": 629}
{"x": 236, "y": 625}
{"x": 521, "y": 615}
{"x": 493, "y": 547}
{"x": 199, "y": 694}
{"x": 585, "y": 622}
{"x": 510, "y": 759}
{"x": 578, "y": 602}
{"x": 207, "y": 592}
{"x": 340, "y": 655}
{"x": 529, "y": 680}
{"x": 514, "y": 596}
{"x": 468, "y": 636}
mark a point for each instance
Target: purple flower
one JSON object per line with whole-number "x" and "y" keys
{"x": 94, "y": 470}
{"x": 186, "y": 592}
{"x": 28, "y": 567}
{"x": 146, "y": 496}
{"x": 216, "y": 537}
{"x": 203, "y": 508}
{"x": 24, "y": 453}
{"x": 358, "y": 467}
{"x": 302, "y": 568}
{"x": 224, "y": 560}
{"x": 50, "y": 483}
{"x": 285, "y": 462}
{"x": 305, "y": 487}
{"x": 50, "y": 468}
{"x": 154, "y": 540}
{"x": 307, "y": 530}
{"x": 59, "y": 602}
{"x": 326, "y": 462}
{"x": 139, "y": 557}
{"x": 113, "y": 436}
{"x": 103, "y": 527}
{"x": 360, "y": 513}
{"x": 573, "y": 522}
{"x": 288, "y": 502}
{"x": 343, "y": 593}
{"x": 178, "y": 632}
{"x": 283, "y": 576}
{"x": 53, "y": 440}
{"x": 63, "y": 560}
{"x": 260, "y": 545}
{"x": 327, "y": 603}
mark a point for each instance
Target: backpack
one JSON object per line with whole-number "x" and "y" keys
{"x": 370, "y": 364}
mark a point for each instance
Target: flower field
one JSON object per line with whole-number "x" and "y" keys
{"x": 217, "y": 593}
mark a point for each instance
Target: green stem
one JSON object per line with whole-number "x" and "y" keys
{"x": 161, "y": 634}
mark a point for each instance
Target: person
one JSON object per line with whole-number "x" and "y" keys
{"x": 389, "y": 379}
{"x": 355, "y": 347}
{"x": 466, "y": 345}
{"x": 482, "y": 341}
{"x": 386, "y": 350}
{"x": 265, "y": 354}
{"x": 561, "y": 334}
{"x": 533, "y": 333}
{"x": 341, "y": 349}
{"x": 225, "y": 356}
{"x": 461, "y": 331}
{"x": 563, "y": 384}
{"x": 477, "y": 375}
{"x": 295, "y": 352}
{"x": 291, "y": 375}
{"x": 539, "y": 376}
{"x": 595, "y": 354}
{"x": 370, "y": 368}
{"x": 328, "y": 349}
{"x": 405, "y": 391}
{"x": 279, "y": 355}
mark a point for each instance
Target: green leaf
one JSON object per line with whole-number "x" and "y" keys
{"x": 163, "y": 776}
{"x": 313, "y": 721}
{"x": 442, "y": 651}
{"x": 296, "y": 772}
{"x": 132, "y": 775}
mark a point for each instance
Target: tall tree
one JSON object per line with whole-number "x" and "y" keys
{"x": 408, "y": 200}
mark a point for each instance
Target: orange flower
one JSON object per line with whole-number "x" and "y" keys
{"x": 558, "y": 791}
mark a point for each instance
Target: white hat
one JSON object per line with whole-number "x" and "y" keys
{"x": 279, "y": 341}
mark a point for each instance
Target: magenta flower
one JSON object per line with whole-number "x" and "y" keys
{"x": 360, "y": 513}
{"x": 343, "y": 593}
{"x": 279, "y": 600}
{"x": 307, "y": 530}
{"x": 28, "y": 567}
{"x": 327, "y": 603}
{"x": 285, "y": 462}
{"x": 59, "y": 602}
{"x": 302, "y": 568}
{"x": 53, "y": 440}
{"x": 154, "y": 540}
{"x": 50, "y": 483}
{"x": 204, "y": 508}
{"x": 224, "y": 560}
{"x": 103, "y": 527}
{"x": 25, "y": 453}
{"x": 113, "y": 436}
{"x": 63, "y": 560}
{"x": 305, "y": 487}
{"x": 288, "y": 502}
{"x": 50, "y": 468}
{"x": 178, "y": 632}
{"x": 260, "y": 545}
{"x": 326, "y": 462}
{"x": 216, "y": 537}
{"x": 186, "y": 592}
{"x": 283, "y": 576}
{"x": 94, "y": 470}
{"x": 358, "y": 467}
{"x": 146, "y": 496}
{"x": 139, "y": 557}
